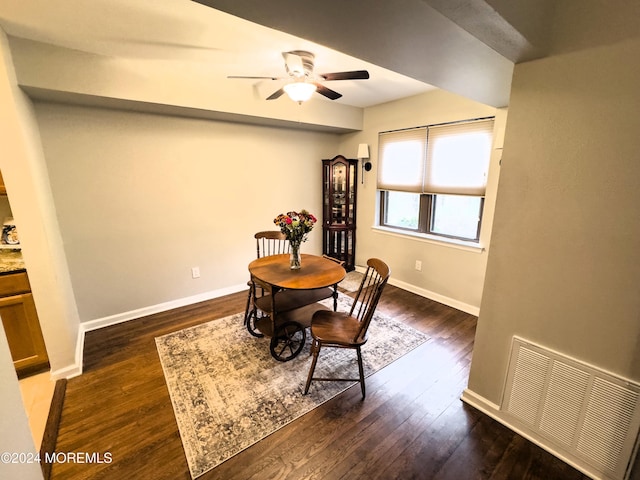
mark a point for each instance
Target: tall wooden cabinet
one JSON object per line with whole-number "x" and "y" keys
{"x": 339, "y": 189}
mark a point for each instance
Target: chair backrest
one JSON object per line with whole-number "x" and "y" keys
{"x": 333, "y": 259}
{"x": 271, "y": 242}
{"x": 366, "y": 300}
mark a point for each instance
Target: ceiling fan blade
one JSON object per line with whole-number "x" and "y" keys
{"x": 355, "y": 75}
{"x": 276, "y": 94}
{"x": 327, "y": 92}
{"x": 256, "y": 78}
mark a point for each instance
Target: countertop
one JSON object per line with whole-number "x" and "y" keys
{"x": 11, "y": 261}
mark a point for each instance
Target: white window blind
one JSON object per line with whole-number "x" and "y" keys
{"x": 442, "y": 159}
{"x": 402, "y": 156}
{"x": 458, "y": 158}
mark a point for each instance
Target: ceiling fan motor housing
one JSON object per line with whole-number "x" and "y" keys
{"x": 299, "y": 63}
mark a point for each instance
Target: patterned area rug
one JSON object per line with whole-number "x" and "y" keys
{"x": 228, "y": 392}
{"x": 351, "y": 282}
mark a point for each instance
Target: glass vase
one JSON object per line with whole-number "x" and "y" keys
{"x": 295, "y": 256}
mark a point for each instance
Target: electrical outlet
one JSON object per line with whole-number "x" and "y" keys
{"x": 195, "y": 272}
{"x": 418, "y": 265}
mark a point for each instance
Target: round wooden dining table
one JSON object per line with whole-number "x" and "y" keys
{"x": 292, "y": 297}
{"x": 315, "y": 272}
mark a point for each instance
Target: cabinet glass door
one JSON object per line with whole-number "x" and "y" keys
{"x": 339, "y": 212}
{"x": 351, "y": 214}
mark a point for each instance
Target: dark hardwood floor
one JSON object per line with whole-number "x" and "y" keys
{"x": 412, "y": 424}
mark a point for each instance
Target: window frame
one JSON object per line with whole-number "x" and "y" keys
{"x": 426, "y": 213}
{"x": 424, "y": 187}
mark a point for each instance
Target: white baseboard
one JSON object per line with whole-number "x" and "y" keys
{"x": 480, "y": 403}
{"x": 76, "y": 369}
{"x": 436, "y": 297}
{"x": 161, "y": 307}
{"x": 451, "y": 302}
{"x": 67, "y": 372}
{"x": 493, "y": 411}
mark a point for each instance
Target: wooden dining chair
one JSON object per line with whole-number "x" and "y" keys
{"x": 349, "y": 330}
{"x": 269, "y": 242}
{"x": 333, "y": 259}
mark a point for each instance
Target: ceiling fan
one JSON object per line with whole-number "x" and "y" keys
{"x": 299, "y": 67}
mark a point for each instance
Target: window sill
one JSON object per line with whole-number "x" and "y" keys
{"x": 433, "y": 239}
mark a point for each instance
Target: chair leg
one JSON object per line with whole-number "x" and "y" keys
{"x": 361, "y": 369}
{"x": 316, "y": 352}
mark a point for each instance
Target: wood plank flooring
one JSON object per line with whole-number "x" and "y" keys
{"x": 412, "y": 424}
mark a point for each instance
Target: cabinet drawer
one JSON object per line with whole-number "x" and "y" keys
{"x": 14, "y": 283}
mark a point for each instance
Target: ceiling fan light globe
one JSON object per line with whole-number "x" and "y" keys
{"x": 300, "y": 91}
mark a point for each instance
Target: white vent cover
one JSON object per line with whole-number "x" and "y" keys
{"x": 591, "y": 415}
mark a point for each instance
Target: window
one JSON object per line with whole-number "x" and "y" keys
{"x": 432, "y": 179}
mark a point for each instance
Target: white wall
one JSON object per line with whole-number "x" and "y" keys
{"x": 143, "y": 198}
{"x": 449, "y": 274}
{"x": 26, "y": 178}
{"x": 17, "y": 146}
{"x": 76, "y": 76}
{"x": 563, "y": 269}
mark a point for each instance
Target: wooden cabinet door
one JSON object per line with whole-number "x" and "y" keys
{"x": 21, "y": 326}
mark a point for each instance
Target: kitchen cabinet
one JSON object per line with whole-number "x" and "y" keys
{"x": 21, "y": 325}
{"x": 339, "y": 191}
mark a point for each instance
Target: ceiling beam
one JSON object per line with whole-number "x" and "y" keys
{"x": 406, "y": 36}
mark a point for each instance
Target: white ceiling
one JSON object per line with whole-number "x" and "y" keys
{"x": 467, "y": 47}
{"x": 183, "y": 33}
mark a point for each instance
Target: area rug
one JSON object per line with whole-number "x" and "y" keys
{"x": 351, "y": 281}
{"x": 228, "y": 392}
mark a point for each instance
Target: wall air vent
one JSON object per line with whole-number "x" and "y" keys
{"x": 591, "y": 416}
